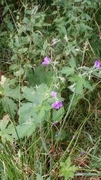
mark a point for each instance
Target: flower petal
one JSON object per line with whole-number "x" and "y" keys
{"x": 53, "y": 93}
{"x": 97, "y": 64}
{"x": 44, "y": 63}
{"x": 57, "y": 105}
{"x": 47, "y": 59}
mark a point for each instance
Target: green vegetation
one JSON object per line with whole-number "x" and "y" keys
{"x": 50, "y": 74}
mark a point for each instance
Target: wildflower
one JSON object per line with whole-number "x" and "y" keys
{"x": 82, "y": 153}
{"x": 53, "y": 93}
{"x": 46, "y": 61}
{"x": 97, "y": 64}
{"x": 55, "y": 123}
{"x": 57, "y": 105}
{"x": 55, "y": 41}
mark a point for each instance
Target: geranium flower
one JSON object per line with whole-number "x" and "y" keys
{"x": 97, "y": 64}
{"x": 53, "y": 93}
{"x": 46, "y": 61}
{"x": 57, "y": 105}
{"x": 55, "y": 41}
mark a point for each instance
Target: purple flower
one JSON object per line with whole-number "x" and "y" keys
{"x": 57, "y": 105}
{"x": 82, "y": 153}
{"x": 97, "y": 64}
{"x": 55, "y": 123}
{"x": 53, "y": 42}
{"x": 53, "y": 93}
{"x": 46, "y": 61}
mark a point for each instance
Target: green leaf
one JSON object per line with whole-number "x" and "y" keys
{"x": 26, "y": 112}
{"x": 45, "y": 45}
{"x": 5, "y": 10}
{"x": 57, "y": 115}
{"x": 97, "y": 74}
{"x": 87, "y": 84}
{"x": 72, "y": 63}
{"x": 13, "y": 67}
{"x": 67, "y": 170}
{"x": 68, "y": 71}
{"x": 19, "y": 72}
{"x": 11, "y": 92}
{"x": 79, "y": 86}
{"x": 79, "y": 83}
{"x": 10, "y": 25}
{"x": 36, "y": 95}
{"x": 24, "y": 130}
{"x": 22, "y": 50}
{"x": 28, "y": 93}
{"x": 3, "y": 123}
{"x": 39, "y": 177}
{"x": 61, "y": 136}
{"x": 35, "y": 110}
{"x": 6, "y": 129}
{"x": 39, "y": 76}
{"x": 30, "y": 111}
{"x": 9, "y": 106}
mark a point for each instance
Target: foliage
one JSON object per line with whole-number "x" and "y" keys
{"x": 67, "y": 170}
{"x": 6, "y": 129}
{"x": 50, "y": 73}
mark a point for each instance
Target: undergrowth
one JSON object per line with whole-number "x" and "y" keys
{"x": 50, "y": 70}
